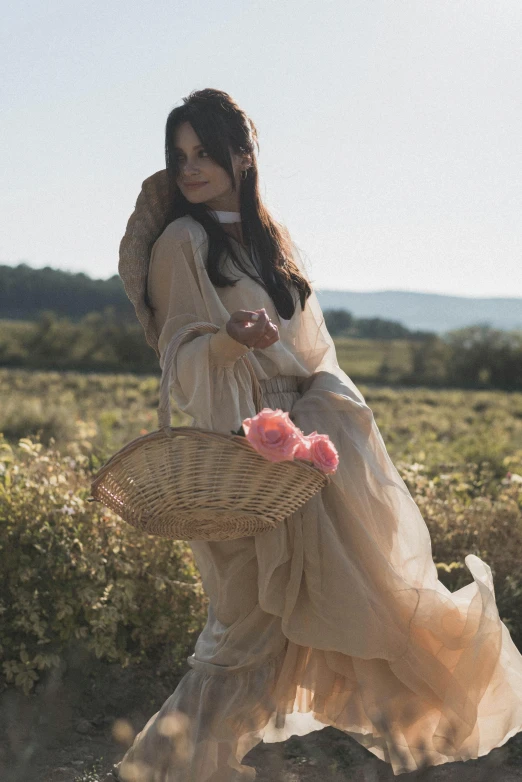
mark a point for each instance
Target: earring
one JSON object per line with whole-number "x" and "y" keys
{"x": 245, "y": 172}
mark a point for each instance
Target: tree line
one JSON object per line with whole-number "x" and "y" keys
{"x": 474, "y": 357}
{"x": 341, "y": 323}
{"x": 26, "y": 292}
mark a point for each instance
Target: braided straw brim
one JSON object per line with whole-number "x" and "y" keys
{"x": 144, "y": 226}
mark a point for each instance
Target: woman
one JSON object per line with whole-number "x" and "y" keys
{"x": 336, "y": 617}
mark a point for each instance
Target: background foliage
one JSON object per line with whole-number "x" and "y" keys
{"x": 369, "y": 350}
{"x": 72, "y": 570}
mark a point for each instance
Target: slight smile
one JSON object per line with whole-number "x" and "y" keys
{"x": 195, "y": 184}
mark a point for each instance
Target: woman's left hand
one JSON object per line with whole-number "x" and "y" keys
{"x": 259, "y": 333}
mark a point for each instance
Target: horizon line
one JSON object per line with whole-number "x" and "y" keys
{"x": 483, "y": 297}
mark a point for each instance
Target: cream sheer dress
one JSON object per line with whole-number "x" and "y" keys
{"x": 336, "y": 617}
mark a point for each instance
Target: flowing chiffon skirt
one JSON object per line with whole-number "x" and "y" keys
{"x": 336, "y": 618}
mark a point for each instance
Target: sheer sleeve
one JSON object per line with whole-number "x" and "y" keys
{"x": 209, "y": 380}
{"x": 314, "y": 345}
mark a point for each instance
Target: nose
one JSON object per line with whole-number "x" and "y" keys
{"x": 189, "y": 168}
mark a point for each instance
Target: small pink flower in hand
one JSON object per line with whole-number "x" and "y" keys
{"x": 273, "y": 434}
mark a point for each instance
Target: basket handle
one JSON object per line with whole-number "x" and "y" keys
{"x": 164, "y": 411}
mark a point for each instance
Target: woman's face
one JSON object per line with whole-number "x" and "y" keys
{"x": 195, "y": 165}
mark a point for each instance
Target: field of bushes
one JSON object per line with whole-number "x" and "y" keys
{"x": 71, "y": 569}
{"x": 71, "y": 572}
{"x": 385, "y": 352}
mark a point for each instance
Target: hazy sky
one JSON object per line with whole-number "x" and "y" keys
{"x": 390, "y": 131}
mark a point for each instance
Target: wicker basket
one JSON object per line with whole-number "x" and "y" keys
{"x": 187, "y": 483}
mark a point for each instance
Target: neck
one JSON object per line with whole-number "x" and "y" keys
{"x": 229, "y": 204}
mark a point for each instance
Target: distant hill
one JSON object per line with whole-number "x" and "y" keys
{"x": 426, "y": 311}
{"x": 25, "y": 291}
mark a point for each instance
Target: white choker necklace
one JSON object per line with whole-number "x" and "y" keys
{"x": 227, "y": 217}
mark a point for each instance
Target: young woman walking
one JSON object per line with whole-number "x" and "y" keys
{"x": 336, "y": 617}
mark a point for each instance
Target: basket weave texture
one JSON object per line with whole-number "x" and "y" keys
{"x": 187, "y": 483}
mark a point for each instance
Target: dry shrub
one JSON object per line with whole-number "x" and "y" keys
{"x": 72, "y": 570}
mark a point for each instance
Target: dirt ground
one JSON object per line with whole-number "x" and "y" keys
{"x": 68, "y": 731}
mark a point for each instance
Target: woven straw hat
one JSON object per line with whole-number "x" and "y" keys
{"x": 144, "y": 226}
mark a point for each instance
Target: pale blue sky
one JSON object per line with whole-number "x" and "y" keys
{"x": 390, "y": 131}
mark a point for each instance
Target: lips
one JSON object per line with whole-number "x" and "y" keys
{"x": 194, "y": 184}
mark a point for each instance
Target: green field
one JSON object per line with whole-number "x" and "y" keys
{"x": 363, "y": 358}
{"x": 460, "y": 453}
{"x": 105, "y": 411}
{"x": 360, "y": 358}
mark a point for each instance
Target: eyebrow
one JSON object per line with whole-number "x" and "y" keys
{"x": 196, "y": 147}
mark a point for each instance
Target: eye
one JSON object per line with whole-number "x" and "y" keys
{"x": 180, "y": 154}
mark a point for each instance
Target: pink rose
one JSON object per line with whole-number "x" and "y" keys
{"x": 273, "y": 434}
{"x": 304, "y": 447}
{"x": 303, "y": 450}
{"x": 323, "y": 452}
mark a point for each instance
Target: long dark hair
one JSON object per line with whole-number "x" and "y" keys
{"x": 219, "y": 123}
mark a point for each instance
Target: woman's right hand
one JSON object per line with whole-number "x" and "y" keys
{"x": 252, "y": 332}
